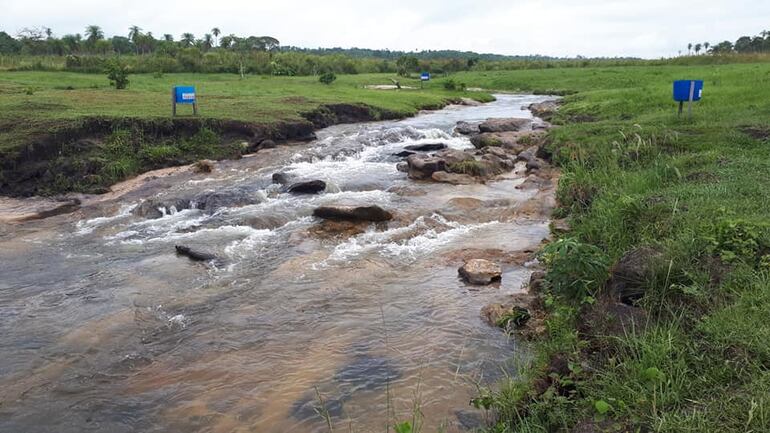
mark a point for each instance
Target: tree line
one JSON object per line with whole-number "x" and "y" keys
{"x": 743, "y": 45}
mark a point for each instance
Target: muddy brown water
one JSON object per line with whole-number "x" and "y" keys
{"x": 105, "y": 328}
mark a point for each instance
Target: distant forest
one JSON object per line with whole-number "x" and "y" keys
{"x": 142, "y": 52}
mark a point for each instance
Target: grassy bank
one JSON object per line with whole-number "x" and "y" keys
{"x": 62, "y": 131}
{"x": 684, "y": 206}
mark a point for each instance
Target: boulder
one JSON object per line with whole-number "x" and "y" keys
{"x": 480, "y": 271}
{"x": 203, "y": 166}
{"x": 507, "y": 140}
{"x": 452, "y": 178}
{"x": 234, "y": 197}
{"x": 427, "y": 147}
{"x": 153, "y": 208}
{"x": 280, "y": 178}
{"x": 423, "y": 166}
{"x": 309, "y": 187}
{"x": 497, "y": 151}
{"x": 544, "y": 110}
{"x": 403, "y": 167}
{"x": 453, "y": 156}
{"x": 630, "y": 276}
{"x": 403, "y": 154}
{"x": 198, "y": 256}
{"x": 469, "y": 102}
{"x": 534, "y": 164}
{"x": 353, "y": 213}
{"x": 467, "y": 128}
{"x": 504, "y": 125}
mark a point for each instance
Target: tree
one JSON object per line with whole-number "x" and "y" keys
{"x": 208, "y": 42}
{"x": 697, "y": 49}
{"x": 121, "y": 44}
{"x": 188, "y": 40}
{"x": 168, "y": 37}
{"x": 689, "y": 48}
{"x": 722, "y": 48}
{"x": 706, "y": 46}
{"x": 134, "y": 32}
{"x": 227, "y": 41}
{"x": 216, "y": 32}
{"x": 406, "y": 65}
{"x": 9, "y": 45}
{"x": 117, "y": 73}
{"x": 93, "y": 33}
{"x": 743, "y": 44}
{"x": 72, "y": 42}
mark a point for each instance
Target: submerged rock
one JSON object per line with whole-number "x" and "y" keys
{"x": 280, "y": 178}
{"x": 403, "y": 154}
{"x": 198, "y": 256}
{"x": 504, "y": 125}
{"x": 153, "y": 208}
{"x": 428, "y": 147}
{"x": 403, "y": 167}
{"x": 480, "y": 271}
{"x": 309, "y": 187}
{"x": 353, "y": 213}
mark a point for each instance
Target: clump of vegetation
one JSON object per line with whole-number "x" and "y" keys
{"x": 471, "y": 167}
{"x": 327, "y": 78}
{"x": 576, "y": 270}
{"x": 451, "y": 84}
{"x": 117, "y": 73}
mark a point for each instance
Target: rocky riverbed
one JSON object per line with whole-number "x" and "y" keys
{"x": 373, "y": 267}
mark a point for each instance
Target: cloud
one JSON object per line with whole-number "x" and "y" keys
{"x": 650, "y": 28}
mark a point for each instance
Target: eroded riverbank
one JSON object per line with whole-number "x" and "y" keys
{"x": 109, "y": 330}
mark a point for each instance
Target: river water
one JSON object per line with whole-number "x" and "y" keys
{"x": 105, "y": 328}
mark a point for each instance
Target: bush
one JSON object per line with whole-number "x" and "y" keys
{"x": 575, "y": 270}
{"x": 327, "y": 78}
{"x": 117, "y": 73}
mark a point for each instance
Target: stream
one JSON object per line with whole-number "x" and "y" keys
{"x": 105, "y": 328}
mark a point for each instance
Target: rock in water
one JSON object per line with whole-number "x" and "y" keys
{"x": 198, "y": 256}
{"x": 428, "y": 147}
{"x": 544, "y": 110}
{"x": 504, "y": 125}
{"x": 422, "y": 166}
{"x": 310, "y": 187}
{"x": 452, "y": 178}
{"x": 353, "y": 213}
{"x": 203, "y": 166}
{"x": 480, "y": 271}
{"x": 466, "y": 128}
{"x": 403, "y": 154}
{"x": 280, "y": 178}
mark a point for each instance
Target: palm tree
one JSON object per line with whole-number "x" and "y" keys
{"x": 207, "y": 42}
{"x": 93, "y": 34}
{"x": 168, "y": 37}
{"x": 706, "y": 46}
{"x": 134, "y": 32}
{"x": 689, "y": 48}
{"x": 188, "y": 39}
{"x": 697, "y": 49}
{"x": 216, "y": 32}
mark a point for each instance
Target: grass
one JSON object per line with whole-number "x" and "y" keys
{"x": 696, "y": 190}
{"x": 34, "y": 104}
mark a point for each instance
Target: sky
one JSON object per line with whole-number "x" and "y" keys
{"x": 561, "y": 28}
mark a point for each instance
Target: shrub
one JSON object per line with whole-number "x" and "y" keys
{"x": 471, "y": 167}
{"x": 575, "y": 270}
{"x": 327, "y": 78}
{"x": 117, "y": 73}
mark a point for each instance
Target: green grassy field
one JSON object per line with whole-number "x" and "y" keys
{"x": 697, "y": 191}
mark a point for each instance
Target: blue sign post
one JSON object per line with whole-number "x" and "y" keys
{"x": 183, "y": 95}
{"x": 687, "y": 91}
{"x": 425, "y": 76}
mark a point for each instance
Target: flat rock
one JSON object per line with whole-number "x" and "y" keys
{"x": 504, "y": 125}
{"x": 309, "y": 187}
{"x": 353, "y": 213}
{"x": 198, "y": 256}
{"x": 427, "y": 147}
{"x": 452, "y": 178}
{"x": 480, "y": 271}
{"x": 423, "y": 166}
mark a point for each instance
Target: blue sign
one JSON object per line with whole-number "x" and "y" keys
{"x": 184, "y": 94}
{"x": 682, "y": 90}
{"x": 425, "y": 76}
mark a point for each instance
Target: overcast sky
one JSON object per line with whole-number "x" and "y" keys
{"x": 641, "y": 28}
